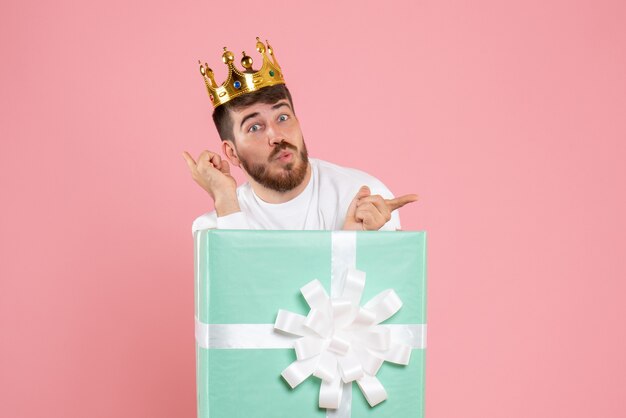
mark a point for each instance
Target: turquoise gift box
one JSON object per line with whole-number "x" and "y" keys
{"x": 244, "y": 277}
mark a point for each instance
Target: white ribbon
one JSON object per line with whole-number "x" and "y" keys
{"x": 339, "y": 341}
{"x": 263, "y": 335}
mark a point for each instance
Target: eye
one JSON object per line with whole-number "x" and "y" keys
{"x": 283, "y": 117}
{"x": 254, "y": 128}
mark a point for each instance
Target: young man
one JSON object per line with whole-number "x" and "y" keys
{"x": 286, "y": 189}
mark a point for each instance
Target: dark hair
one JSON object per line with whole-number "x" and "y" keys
{"x": 221, "y": 115}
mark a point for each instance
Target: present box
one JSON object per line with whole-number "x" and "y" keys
{"x": 243, "y": 278}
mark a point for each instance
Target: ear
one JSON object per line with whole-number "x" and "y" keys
{"x": 230, "y": 151}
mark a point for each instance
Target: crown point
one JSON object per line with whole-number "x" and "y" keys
{"x": 227, "y": 57}
{"x": 207, "y": 73}
{"x": 246, "y": 62}
{"x": 259, "y": 46}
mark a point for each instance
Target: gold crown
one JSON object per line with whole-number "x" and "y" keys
{"x": 238, "y": 82}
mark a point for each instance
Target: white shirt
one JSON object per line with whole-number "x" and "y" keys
{"x": 322, "y": 205}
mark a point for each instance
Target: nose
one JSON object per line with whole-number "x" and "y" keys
{"x": 274, "y": 135}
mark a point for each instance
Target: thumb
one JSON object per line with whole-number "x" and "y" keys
{"x": 225, "y": 167}
{"x": 364, "y": 191}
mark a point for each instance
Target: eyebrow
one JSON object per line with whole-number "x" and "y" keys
{"x": 255, "y": 114}
{"x": 276, "y": 106}
{"x": 251, "y": 115}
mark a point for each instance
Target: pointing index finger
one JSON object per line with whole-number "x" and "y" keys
{"x": 190, "y": 161}
{"x": 398, "y": 202}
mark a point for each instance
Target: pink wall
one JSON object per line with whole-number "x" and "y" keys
{"x": 507, "y": 120}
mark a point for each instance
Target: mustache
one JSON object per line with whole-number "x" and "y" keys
{"x": 280, "y": 147}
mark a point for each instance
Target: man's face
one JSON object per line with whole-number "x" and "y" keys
{"x": 269, "y": 144}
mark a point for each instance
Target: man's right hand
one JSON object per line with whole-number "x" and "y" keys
{"x": 213, "y": 175}
{"x": 370, "y": 212}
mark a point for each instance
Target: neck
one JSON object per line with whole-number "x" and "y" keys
{"x": 273, "y": 196}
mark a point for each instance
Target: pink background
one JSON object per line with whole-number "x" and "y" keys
{"x": 507, "y": 120}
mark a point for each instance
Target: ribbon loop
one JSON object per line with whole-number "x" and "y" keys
{"x": 307, "y": 347}
{"x": 350, "y": 367}
{"x": 342, "y": 312}
{"x": 326, "y": 367}
{"x": 372, "y": 389}
{"x": 369, "y": 361}
{"x": 364, "y": 318}
{"x": 339, "y": 345}
{"x": 318, "y": 321}
{"x": 377, "y": 338}
{"x": 353, "y": 286}
{"x": 384, "y": 305}
{"x": 298, "y": 371}
{"x": 290, "y": 322}
{"x": 315, "y": 295}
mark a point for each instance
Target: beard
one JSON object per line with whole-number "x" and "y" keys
{"x": 291, "y": 176}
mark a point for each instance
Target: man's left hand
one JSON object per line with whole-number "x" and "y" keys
{"x": 369, "y": 212}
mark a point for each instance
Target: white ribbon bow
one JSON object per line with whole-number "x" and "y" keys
{"x": 342, "y": 341}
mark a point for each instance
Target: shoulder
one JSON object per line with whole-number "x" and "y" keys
{"x": 345, "y": 182}
{"x": 208, "y": 220}
{"x": 204, "y": 221}
{"x": 349, "y": 179}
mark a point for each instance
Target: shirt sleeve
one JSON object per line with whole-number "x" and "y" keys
{"x": 210, "y": 220}
{"x": 237, "y": 220}
{"x": 205, "y": 221}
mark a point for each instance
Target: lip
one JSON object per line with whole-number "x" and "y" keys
{"x": 284, "y": 156}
